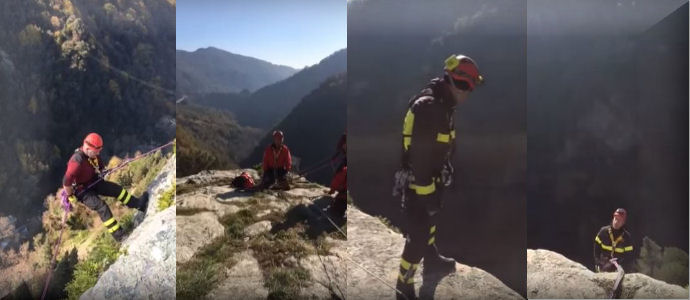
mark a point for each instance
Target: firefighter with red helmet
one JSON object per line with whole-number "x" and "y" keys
{"x": 613, "y": 242}
{"x": 84, "y": 168}
{"x": 428, "y": 138}
{"x": 277, "y": 162}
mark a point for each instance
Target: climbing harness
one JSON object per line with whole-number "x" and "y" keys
{"x": 68, "y": 207}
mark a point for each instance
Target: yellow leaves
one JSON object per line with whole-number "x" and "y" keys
{"x": 114, "y": 161}
{"x": 30, "y": 35}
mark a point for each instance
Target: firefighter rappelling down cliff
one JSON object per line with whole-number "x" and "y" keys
{"x": 276, "y": 167}
{"x": 428, "y": 145}
{"x": 85, "y": 182}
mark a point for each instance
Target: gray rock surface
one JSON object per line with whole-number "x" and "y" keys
{"x": 146, "y": 269}
{"x": 194, "y": 232}
{"x": 244, "y": 280}
{"x": 209, "y": 197}
{"x": 552, "y": 275}
{"x": 377, "y": 248}
{"x": 257, "y": 228}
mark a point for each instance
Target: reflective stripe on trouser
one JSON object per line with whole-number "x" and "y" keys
{"x": 95, "y": 203}
{"x": 111, "y": 189}
{"x": 420, "y": 229}
{"x": 432, "y": 235}
{"x": 124, "y": 196}
{"x": 111, "y": 224}
{"x": 407, "y": 270}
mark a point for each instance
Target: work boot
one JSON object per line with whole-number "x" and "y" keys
{"x": 143, "y": 202}
{"x": 435, "y": 263}
{"x": 407, "y": 290}
{"x": 118, "y": 235}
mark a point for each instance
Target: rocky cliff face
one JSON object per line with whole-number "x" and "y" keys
{"x": 552, "y": 275}
{"x": 256, "y": 245}
{"x": 146, "y": 270}
{"x": 377, "y": 249}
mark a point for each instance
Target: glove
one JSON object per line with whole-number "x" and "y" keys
{"x": 402, "y": 180}
{"x": 447, "y": 174}
{"x": 68, "y": 201}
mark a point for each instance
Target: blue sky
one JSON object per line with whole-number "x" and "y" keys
{"x": 295, "y": 33}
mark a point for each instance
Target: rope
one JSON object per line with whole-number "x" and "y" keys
{"x": 317, "y": 166}
{"x": 619, "y": 278}
{"x": 357, "y": 264}
{"x": 127, "y": 75}
{"x": 64, "y": 217}
{"x": 55, "y": 253}
{"x": 376, "y": 277}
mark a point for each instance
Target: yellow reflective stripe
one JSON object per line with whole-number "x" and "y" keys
{"x": 596, "y": 239}
{"x": 405, "y": 264}
{"x": 432, "y": 240}
{"x": 109, "y": 222}
{"x": 407, "y": 140}
{"x": 629, "y": 248}
{"x": 452, "y": 134}
{"x": 424, "y": 190}
{"x": 112, "y": 229}
{"x": 606, "y": 247}
{"x": 619, "y": 250}
{"x": 402, "y": 279}
{"x": 127, "y": 199}
{"x": 122, "y": 194}
{"x": 451, "y": 63}
{"x": 408, "y": 124}
{"x": 433, "y": 229}
{"x": 443, "y": 138}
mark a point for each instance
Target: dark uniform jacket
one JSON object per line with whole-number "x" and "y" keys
{"x": 610, "y": 243}
{"x": 429, "y": 132}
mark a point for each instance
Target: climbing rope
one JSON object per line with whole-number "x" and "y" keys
{"x": 617, "y": 284}
{"x": 55, "y": 251}
{"x": 67, "y": 210}
{"x": 354, "y": 262}
{"x": 317, "y": 166}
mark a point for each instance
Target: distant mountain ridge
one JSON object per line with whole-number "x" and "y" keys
{"x": 270, "y": 104}
{"x": 213, "y": 70}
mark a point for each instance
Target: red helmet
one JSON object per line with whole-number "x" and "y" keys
{"x": 621, "y": 212}
{"x": 278, "y": 133}
{"x": 462, "y": 70}
{"x": 93, "y": 141}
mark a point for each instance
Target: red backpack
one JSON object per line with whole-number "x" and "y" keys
{"x": 244, "y": 181}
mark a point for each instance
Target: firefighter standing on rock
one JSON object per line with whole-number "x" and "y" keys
{"x": 428, "y": 139}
